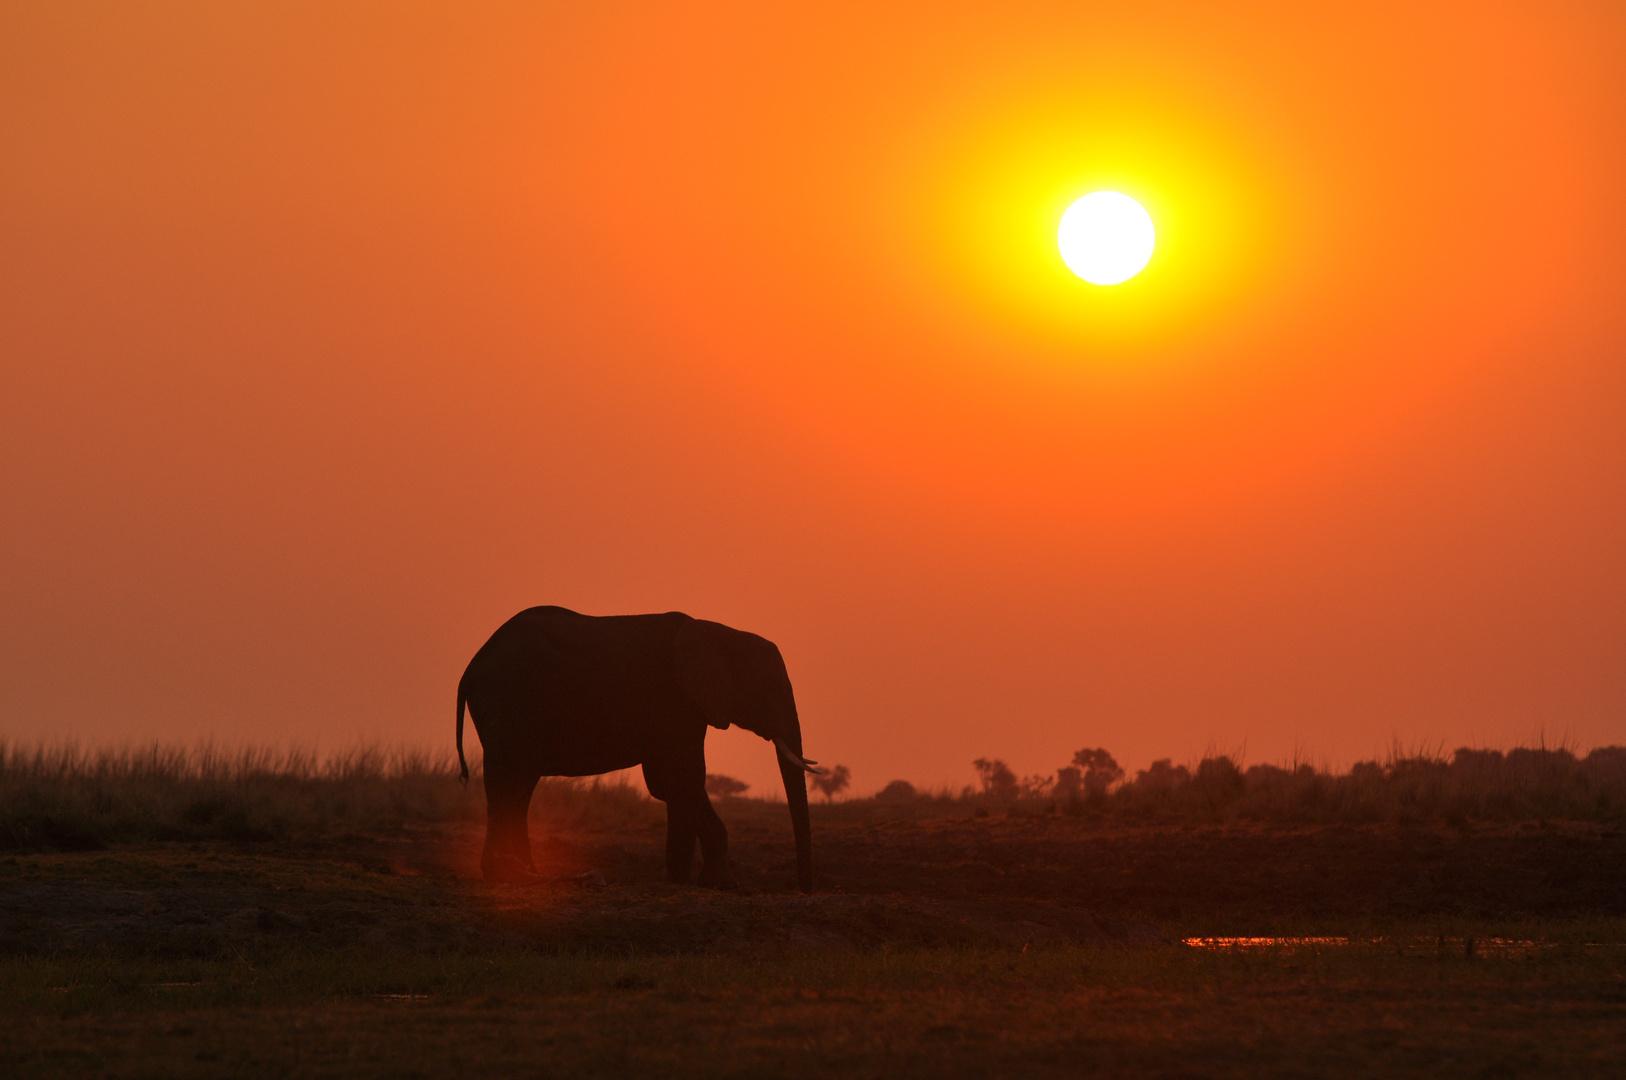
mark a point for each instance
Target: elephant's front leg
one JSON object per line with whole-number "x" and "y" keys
{"x": 713, "y": 834}
{"x": 680, "y": 838}
{"x": 689, "y": 819}
{"x": 678, "y": 778}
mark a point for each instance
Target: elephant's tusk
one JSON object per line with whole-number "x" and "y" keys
{"x": 796, "y": 759}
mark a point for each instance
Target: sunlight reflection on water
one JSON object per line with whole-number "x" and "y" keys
{"x": 1466, "y": 945}
{"x": 1261, "y": 942}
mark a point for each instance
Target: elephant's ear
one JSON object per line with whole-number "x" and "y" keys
{"x": 701, "y": 659}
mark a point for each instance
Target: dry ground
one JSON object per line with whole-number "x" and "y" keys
{"x": 940, "y": 944}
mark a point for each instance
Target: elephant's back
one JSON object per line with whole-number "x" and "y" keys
{"x": 557, "y": 628}
{"x": 554, "y": 657}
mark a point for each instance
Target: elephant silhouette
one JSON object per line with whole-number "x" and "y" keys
{"x": 557, "y": 693}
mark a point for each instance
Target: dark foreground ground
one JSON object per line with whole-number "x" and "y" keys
{"x": 938, "y": 945}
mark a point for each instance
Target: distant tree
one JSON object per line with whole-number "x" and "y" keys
{"x": 1163, "y": 776}
{"x": 724, "y": 787}
{"x": 1266, "y": 776}
{"x": 1036, "y": 787}
{"x": 1606, "y": 765}
{"x": 1219, "y": 777}
{"x": 1610, "y": 756}
{"x": 897, "y": 791}
{"x": 1069, "y": 783}
{"x": 833, "y": 782}
{"x": 1100, "y": 771}
{"x": 1465, "y": 758}
{"x": 1366, "y": 772}
{"x": 997, "y": 778}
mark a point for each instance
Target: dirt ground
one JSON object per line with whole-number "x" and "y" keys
{"x": 936, "y": 944}
{"x": 881, "y": 880}
{"x": 1233, "y": 874}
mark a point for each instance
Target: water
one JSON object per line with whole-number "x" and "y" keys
{"x": 1462, "y": 946}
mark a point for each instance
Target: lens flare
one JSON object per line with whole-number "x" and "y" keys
{"x": 1106, "y": 238}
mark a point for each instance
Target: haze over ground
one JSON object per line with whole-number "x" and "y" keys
{"x": 333, "y": 335}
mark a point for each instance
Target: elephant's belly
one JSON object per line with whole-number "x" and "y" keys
{"x": 586, "y": 764}
{"x": 565, "y": 742}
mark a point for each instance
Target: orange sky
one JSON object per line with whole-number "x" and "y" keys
{"x": 332, "y": 335}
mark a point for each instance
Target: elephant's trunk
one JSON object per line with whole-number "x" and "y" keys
{"x": 796, "y": 795}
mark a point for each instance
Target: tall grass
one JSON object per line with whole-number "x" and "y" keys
{"x": 68, "y": 798}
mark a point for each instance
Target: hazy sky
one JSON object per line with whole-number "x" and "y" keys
{"x": 331, "y": 335}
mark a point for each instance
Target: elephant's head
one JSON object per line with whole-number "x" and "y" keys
{"x": 740, "y": 678}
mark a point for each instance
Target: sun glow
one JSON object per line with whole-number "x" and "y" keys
{"x": 1106, "y": 238}
{"x": 1003, "y": 179}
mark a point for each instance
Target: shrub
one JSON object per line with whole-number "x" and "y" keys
{"x": 897, "y": 791}
{"x": 724, "y": 787}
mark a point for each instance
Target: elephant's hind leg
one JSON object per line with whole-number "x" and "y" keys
{"x": 507, "y": 855}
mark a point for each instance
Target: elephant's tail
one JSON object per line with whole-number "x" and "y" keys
{"x": 462, "y": 700}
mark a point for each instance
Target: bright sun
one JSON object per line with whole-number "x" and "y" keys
{"x": 1106, "y": 238}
